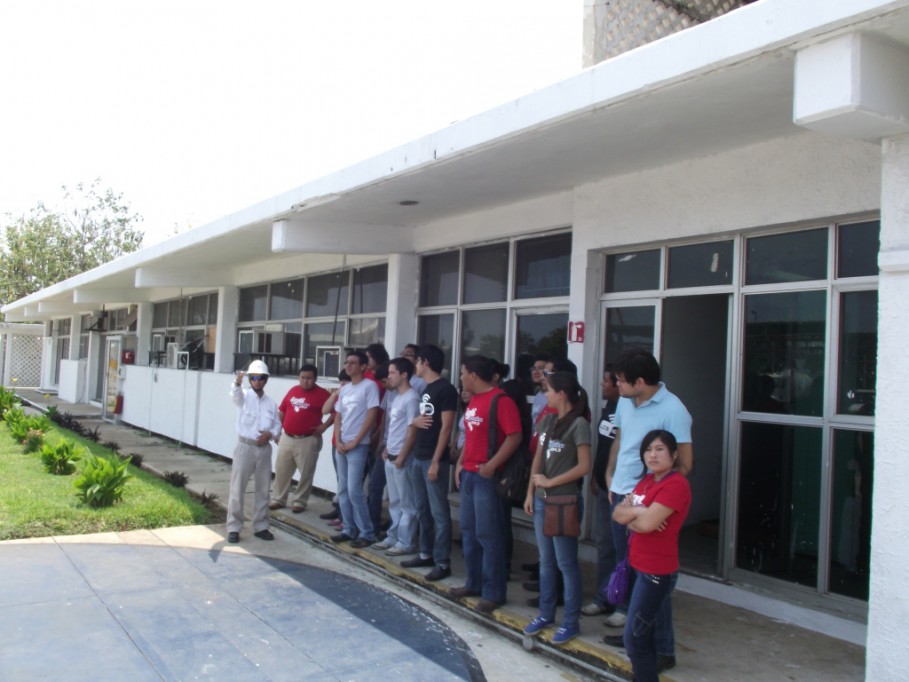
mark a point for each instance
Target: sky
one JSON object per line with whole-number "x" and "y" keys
{"x": 195, "y": 109}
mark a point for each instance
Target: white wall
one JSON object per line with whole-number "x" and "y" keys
{"x": 72, "y": 380}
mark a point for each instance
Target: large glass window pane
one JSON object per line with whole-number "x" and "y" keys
{"x": 629, "y": 327}
{"x": 370, "y": 294}
{"x": 322, "y": 334}
{"x": 700, "y": 265}
{"x": 159, "y": 316}
{"x": 543, "y": 267}
{"x": 784, "y": 352}
{"x": 213, "y": 308}
{"x": 438, "y": 330}
{"x": 538, "y": 334}
{"x": 328, "y": 295}
{"x": 483, "y": 333}
{"x": 366, "y": 330}
{"x": 486, "y": 273}
{"x": 286, "y": 300}
{"x": 779, "y": 501}
{"x": 790, "y": 257}
{"x": 858, "y": 352}
{"x": 253, "y": 302}
{"x": 850, "y": 529}
{"x": 439, "y": 278}
{"x": 175, "y": 313}
{"x": 633, "y": 271}
{"x": 857, "y": 248}
{"x": 197, "y": 310}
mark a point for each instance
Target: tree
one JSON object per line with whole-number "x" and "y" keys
{"x": 94, "y": 226}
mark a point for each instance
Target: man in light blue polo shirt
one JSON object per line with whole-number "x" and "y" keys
{"x": 645, "y": 404}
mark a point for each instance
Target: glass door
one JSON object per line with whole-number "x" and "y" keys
{"x": 111, "y": 375}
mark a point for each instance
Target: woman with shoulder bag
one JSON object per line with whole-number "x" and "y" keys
{"x": 554, "y": 500}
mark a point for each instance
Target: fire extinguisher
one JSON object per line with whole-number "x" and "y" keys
{"x": 118, "y": 406}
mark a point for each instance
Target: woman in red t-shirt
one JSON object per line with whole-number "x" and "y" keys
{"x": 655, "y": 512}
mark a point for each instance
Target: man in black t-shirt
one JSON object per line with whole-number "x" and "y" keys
{"x": 602, "y": 528}
{"x": 430, "y": 465}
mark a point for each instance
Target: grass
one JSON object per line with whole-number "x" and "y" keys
{"x": 34, "y": 503}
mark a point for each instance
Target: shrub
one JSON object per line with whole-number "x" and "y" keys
{"x": 8, "y": 400}
{"x": 34, "y": 440}
{"x": 176, "y": 478}
{"x": 94, "y": 435}
{"x": 76, "y": 427}
{"x": 208, "y": 499}
{"x": 39, "y": 422}
{"x": 21, "y": 425}
{"x": 112, "y": 445}
{"x": 54, "y": 414}
{"x": 102, "y": 481}
{"x": 134, "y": 459}
{"x": 60, "y": 459}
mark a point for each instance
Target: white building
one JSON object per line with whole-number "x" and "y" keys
{"x": 734, "y": 196}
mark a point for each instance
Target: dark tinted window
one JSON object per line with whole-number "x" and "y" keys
{"x": 634, "y": 271}
{"x": 370, "y": 292}
{"x": 543, "y": 267}
{"x": 790, "y": 257}
{"x": 486, "y": 273}
{"x": 700, "y": 265}
{"x": 327, "y": 295}
{"x": 857, "y": 249}
{"x": 286, "y": 300}
{"x": 439, "y": 278}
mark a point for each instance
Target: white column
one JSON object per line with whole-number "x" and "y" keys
{"x": 403, "y": 291}
{"x": 143, "y": 332}
{"x": 226, "y": 331}
{"x": 888, "y": 607}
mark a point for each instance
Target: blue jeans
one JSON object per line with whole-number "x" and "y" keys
{"x": 376, "y": 489}
{"x": 665, "y": 636}
{"x": 649, "y": 594}
{"x": 482, "y": 537}
{"x": 421, "y": 505}
{"x": 602, "y": 537}
{"x": 558, "y": 554}
{"x": 437, "y": 496}
{"x": 351, "y": 499}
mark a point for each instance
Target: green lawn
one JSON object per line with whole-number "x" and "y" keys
{"x": 34, "y": 503}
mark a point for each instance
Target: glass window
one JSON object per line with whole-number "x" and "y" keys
{"x": 858, "y": 352}
{"x": 483, "y": 333}
{"x": 850, "y": 527}
{"x": 629, "y": 327}
{"x": 322, "y": 334}
{"x": 175, "y": 313}
{"x": 439, "y": 278}
{"x": 784, "y": 352}
{"x": 700, "y": 265}
{"x": 370, "y": 294}
{"x": 213, "y": 308}
{"x": 197, "y": 310}
{"x": 857, "y": 249}
{"x": 634, "y": 271}
{"x": 159, "y": 315}
{"x": 328, "y": 295}
{"x": 543, "y": 267}
{"x": 439, "y": 331}
{"x": 536, "y": 334}
{"x": 486, "y": 273}
{"x": 779, "y": 501}
{"x": 286, "y": 300}
{"x": 790, "y": 257}
{"x": 253, "y": 302}
{"x": 366, "y": 330}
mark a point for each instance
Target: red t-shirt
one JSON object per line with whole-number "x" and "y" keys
{"x": 476, "y": 418}
{"x": 658, "y": 552}
{"x": 303, "y": 410}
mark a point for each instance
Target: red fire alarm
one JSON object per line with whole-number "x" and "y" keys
{"x": 127, "y": 357}
{"x": 575, "y": 332}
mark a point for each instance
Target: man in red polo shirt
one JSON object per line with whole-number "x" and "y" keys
{"x": 301, "y": 416}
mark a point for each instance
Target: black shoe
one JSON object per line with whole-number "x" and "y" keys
{"x": 487, "y": 606}
{"x": 618, "y": 641}
{"x": 417, "y": 562}
{"x": 461, "y": 592}
{"x": 534, "y": 602}
{"x": 532, "y": 586}
{"x": 233, "y": 537}
{"x": 437, "y": 573}
{"x": 328, "y": 516}
{"x": 265, "y": 535}
{"x": 359, "y": 543}
{"x": 535, "y": 566}
{"x": 665, "y": 662}
{"x": 341, "y": 537}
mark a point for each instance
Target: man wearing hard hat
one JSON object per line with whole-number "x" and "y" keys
{"x": 257, "y": 425}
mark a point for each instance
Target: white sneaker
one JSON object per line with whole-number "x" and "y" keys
{"x": 592, "y": 609}
{"x": 616, "y": 620}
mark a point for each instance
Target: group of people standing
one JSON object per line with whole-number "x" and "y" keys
{"x": 395, "y": 427}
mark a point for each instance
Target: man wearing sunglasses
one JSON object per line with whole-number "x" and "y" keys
{"x": 257, "y": 425}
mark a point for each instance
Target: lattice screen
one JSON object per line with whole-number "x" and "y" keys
{"x": 631, "y": 23}
{"x": 25, "y": 359}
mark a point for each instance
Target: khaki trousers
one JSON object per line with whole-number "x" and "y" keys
{"x": 293, "y": 454}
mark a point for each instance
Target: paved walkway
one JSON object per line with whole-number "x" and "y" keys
{"x": 715, "y": 641}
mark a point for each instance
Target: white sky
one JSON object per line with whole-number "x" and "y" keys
{"x": 194, "y": 109}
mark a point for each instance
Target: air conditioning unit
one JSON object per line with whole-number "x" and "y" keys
{"x": 176, "y": 358}
{"x": 269, "y": 343}
{"x": 328, "y": 360}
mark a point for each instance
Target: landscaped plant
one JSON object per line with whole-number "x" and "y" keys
{"x": 60, "y": 459}
{"x": 134, "y": 459}
{"x": 8, "y": 400}
{"x": 111, "y": 445}
{"x": 93, "y": 435}
{"x": 34, "y": 440}
{"x": 54, "y": 414}
{"x": 208, "y": 499}
{"x": 20, "y": 424}
{"x": 102, "y": 481}
{"x": 176, "y": 478}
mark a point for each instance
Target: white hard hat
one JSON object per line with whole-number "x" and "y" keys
{"x": 257, "y": 367}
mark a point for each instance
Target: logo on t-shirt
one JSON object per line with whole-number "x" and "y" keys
{"x": 299, "y": 404}
{"x": 637, "y": 500}
{"x": 427, "y": 409}
{"x": 471, "y": 419}
{"x": 607, "y": 428}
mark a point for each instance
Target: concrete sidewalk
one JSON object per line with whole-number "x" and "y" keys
{"x": 714, "y": 641}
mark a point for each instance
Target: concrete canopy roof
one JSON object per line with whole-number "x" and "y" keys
{"x": 724, "y": 84}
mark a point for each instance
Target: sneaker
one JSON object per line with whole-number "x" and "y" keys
{"x": 298, "y": 508}
{"x": 487, "y": 606}
{"x": 330, "y": 516}
{"x": 341, "y": 537}
{"x": 536, "y": 626}
{"x": 616, "y": 620}
{"x": 438, "y": 573}
{"x": 565, "y": 634}
{"x": 265, "y": 535}
{"x": 593, "y": 609}
{"x": 360, "y": 543}
{"x": 337, "y": 523}
{"x": 618, "y": 641}
{"x": 382, "y": 545}
{"x": 233, "y": 537}
{"x": 665, "y": 662}
{"x": 461, "y": 592}
{"x": 399, "y": 551}
{"x": 276, "y": 505}
{"x": 418, "y": 562}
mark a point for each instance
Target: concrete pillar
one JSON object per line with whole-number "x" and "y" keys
{"x": 888, "y": 607}
{"x": 143, "y": 332}
{"x": 75, "y": 328}
{"x": 403, "y": 291}
{"x": 226, "y": 330}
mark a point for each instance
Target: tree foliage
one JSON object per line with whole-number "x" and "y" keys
{"x": 93, "y": 226}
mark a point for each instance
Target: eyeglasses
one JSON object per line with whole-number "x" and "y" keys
{"x": 547, "y": 373}
{"x": 258, "y": 377}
